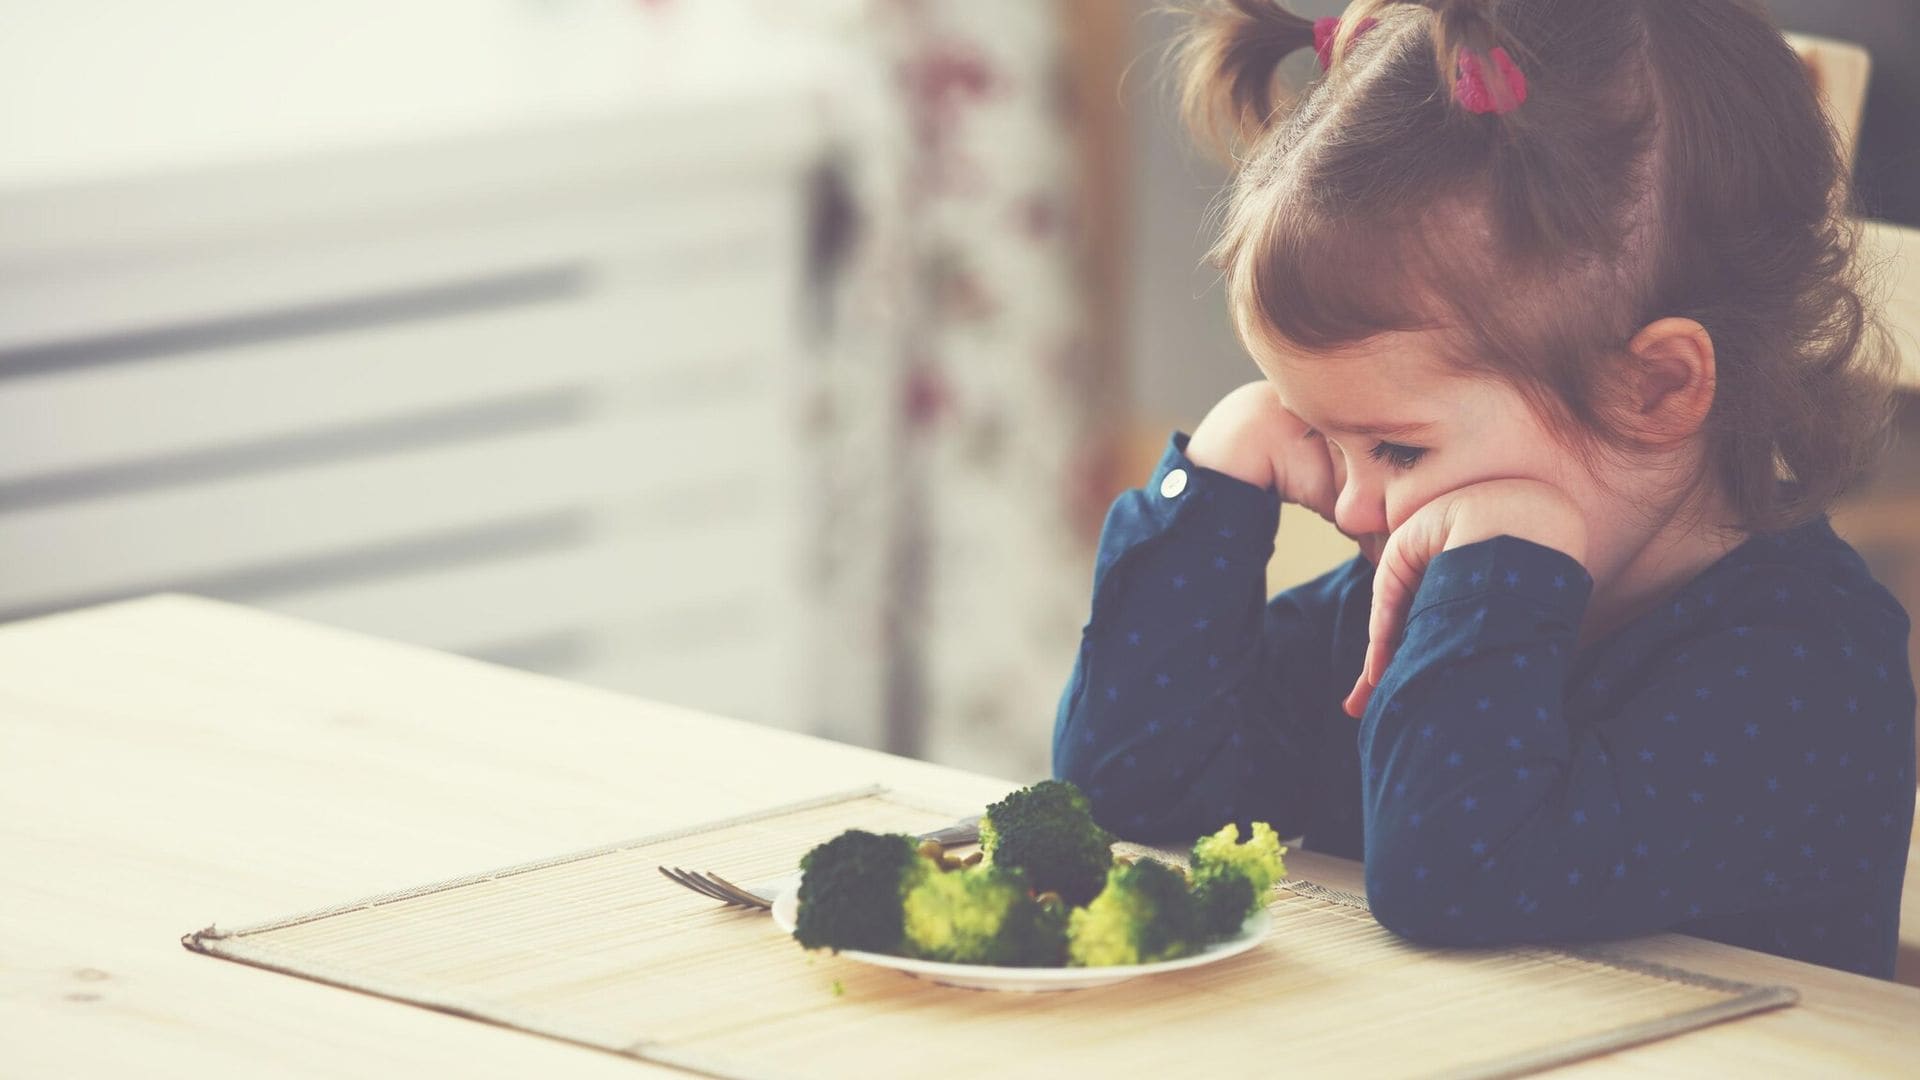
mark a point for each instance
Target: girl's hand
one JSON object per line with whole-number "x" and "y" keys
{"x": 1250, "y": 436}
{"x": 1529, "y": 509}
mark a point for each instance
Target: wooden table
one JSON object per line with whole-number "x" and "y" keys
{"x": 170, "y": 762}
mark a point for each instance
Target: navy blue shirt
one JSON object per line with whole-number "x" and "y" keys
{"x": 1735, "y": 764}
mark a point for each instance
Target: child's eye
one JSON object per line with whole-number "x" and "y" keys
{"x": 1400, "y": 457}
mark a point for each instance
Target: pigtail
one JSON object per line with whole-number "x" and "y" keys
{"x": 1482, "y": 67}
{"x": 1460, "y": 28}
{"x": 1472, "y": 57}
{"x": 1226, "y": 59}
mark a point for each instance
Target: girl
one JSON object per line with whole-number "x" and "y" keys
{"x": 1555, "y": 309}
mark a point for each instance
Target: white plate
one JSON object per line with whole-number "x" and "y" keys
{"x": 987, "y": 977}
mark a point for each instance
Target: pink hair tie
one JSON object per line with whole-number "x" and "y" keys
{"x": 1472, "y": 91}
{"x": 1324, "y": 31}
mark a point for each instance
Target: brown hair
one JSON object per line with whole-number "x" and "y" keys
{"x": 1670, "y": 159}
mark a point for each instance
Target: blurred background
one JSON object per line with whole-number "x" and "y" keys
{"x": 772, "y": 357}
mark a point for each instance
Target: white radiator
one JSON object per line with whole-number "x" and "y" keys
{"x": 527, "y": 395}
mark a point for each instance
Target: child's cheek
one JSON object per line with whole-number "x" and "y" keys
{"x": 1406, "y": 495}
{"x": 1520, "y": 451}
{"x": 1416, "y": 489}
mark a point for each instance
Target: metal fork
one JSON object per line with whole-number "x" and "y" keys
{"x": 964, "y": 831}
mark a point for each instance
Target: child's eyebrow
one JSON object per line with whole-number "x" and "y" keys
{"x": 1382, "y": 431}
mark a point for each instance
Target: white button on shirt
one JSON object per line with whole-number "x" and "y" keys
{"x": 1174, "y": 483}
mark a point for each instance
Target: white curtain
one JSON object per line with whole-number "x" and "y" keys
{"x": 954, "y": 400}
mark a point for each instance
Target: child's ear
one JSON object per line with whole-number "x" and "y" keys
{"x": 1670, "y": 379}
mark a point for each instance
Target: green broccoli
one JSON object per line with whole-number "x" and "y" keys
{"x": 1144, "y": 914}
{"x": 852, "y": 888}
{"x": 984, "y": 915}
{"x": 1048, "y": 832}
{"x": 1231, "y": 879}
{"x": 1225, "y": 902}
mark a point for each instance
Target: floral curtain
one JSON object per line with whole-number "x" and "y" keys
{"x": 955, "y": 406}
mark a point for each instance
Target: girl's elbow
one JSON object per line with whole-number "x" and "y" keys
{"x": 1076, "y": 769}
{"x": 1413, "y": 905}
{"x": 1426, "y": 910}
{"x": 1404, "y": 913}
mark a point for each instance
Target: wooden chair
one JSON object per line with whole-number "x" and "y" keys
{"x": 1840, "y": 70}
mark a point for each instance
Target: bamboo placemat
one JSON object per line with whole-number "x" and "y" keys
{"x": 595, "y": 947}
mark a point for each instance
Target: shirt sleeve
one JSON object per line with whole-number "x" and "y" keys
{"x": 1685, "y": 792}
{"x": 1187, "y": 705}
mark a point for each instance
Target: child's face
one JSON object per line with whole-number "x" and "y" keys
{"x": 1463, "y": 431}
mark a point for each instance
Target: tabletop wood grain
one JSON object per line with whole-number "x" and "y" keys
{"x": 171, "y": 762}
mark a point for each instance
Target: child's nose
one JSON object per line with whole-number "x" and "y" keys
{"x": 1361, "y": 507}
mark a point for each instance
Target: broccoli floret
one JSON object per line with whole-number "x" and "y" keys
{"x": 1048, "y": 832}
{"x": 1231, "y": 879}
{"x": 851, "y": 891}
{"x": 1144, "y": 914}
{"x": 984, "y": 915}
{"x": 1225, "y": 902}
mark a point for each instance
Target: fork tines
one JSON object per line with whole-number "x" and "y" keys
{"x": 714, "y": 886}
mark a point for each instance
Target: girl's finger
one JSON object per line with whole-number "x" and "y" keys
{"x": 1394, "y": 582}
{"x": 1357, "y": 698}
{"x": 1310, "y": 474}
{"x": 1335, "y": 464}
{"x": 1403, "y": 562}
